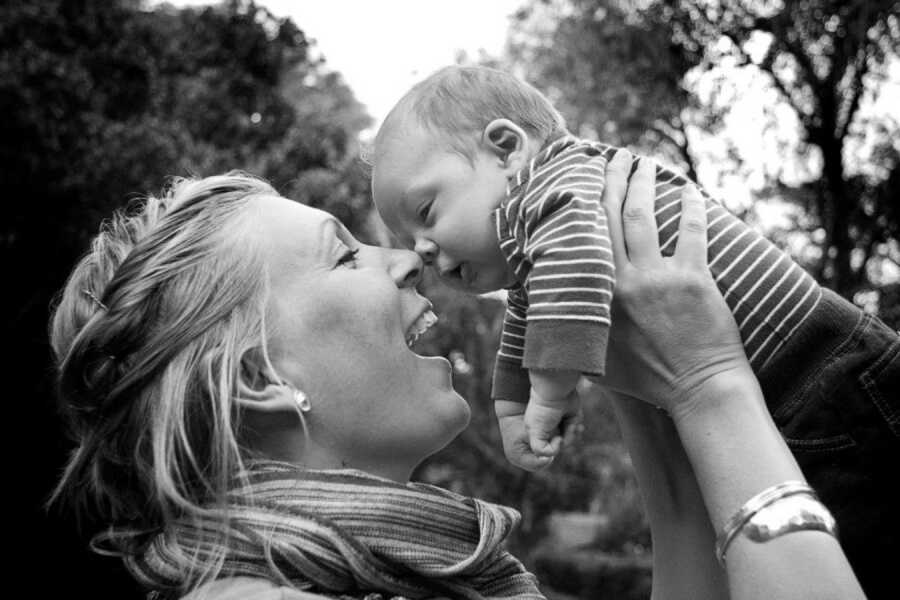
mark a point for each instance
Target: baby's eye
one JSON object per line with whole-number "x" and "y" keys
{"x": 348, "y": 257}
{"x": 425, "y": 210}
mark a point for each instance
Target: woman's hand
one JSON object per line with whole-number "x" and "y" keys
{"x": 671, "y": 329}
{"x": 674, "y": 344}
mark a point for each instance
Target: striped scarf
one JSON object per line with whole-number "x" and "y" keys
{"x": 347, "y": 532}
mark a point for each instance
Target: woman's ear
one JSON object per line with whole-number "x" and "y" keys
{"x": 507, "y": 141}
{"x": 273, "y": 398}
{"x": 261, "y": 390}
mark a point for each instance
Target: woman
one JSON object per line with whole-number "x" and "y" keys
{"x": 248, "y": 412}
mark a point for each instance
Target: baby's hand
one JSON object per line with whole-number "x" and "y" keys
{"x": 553, "y": 403}
{"x": 511, "y": 419}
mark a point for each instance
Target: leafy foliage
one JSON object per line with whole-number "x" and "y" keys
{"x": 614, "y": 72}
{"x": 824, "y": 57}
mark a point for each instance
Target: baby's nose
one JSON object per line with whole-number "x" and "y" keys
{"x": 445, "y": 267}
{"x": 427, "y": 249}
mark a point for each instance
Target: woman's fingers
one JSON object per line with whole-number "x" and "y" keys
{"x": 613, "y": 198}
{"x": 691, "y": 245}
{"x": 638, "y": 220}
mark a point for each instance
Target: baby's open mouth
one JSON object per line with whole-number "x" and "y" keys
{"x": 420, "y": 326}
{"x": 459, "y": 276}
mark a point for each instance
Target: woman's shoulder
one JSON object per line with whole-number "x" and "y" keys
{"x": 249, "y": 588}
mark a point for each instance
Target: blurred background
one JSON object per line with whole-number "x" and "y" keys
{"x": 789, "y": 111}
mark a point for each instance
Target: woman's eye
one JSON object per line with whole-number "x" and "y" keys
{"x": 348, "y": 257}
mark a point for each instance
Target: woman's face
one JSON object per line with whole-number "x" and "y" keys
{"x": 340, "y": 315}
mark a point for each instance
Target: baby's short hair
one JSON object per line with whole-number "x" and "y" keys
{"x": 459, "y": 101}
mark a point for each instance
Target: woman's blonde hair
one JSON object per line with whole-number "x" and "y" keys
{"x": 157, "y": 329}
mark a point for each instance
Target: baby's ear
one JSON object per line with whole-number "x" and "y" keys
{"x": 506, "y": 140}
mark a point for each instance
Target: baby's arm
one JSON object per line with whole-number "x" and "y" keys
{"x": 511, "y": 387}
{"x": 570, "y": 285}
{"x": 552, "y": 402}
{"x": 572, "y": 275}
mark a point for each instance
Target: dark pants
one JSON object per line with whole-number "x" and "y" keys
{"x": 834, "y": 392}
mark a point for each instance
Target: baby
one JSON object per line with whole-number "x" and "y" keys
{"x": 475, "y": 170}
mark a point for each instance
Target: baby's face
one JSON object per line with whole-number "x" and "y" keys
{"x": 439, "y": 204}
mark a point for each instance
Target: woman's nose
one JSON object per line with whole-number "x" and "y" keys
{"x": 426, "y": 249}
{"x": 405, "y": 267}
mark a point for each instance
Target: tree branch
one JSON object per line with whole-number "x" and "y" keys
{"x": 660, "y": 128}
{"x": 664, "y": 129}
{"x": 858, "y": 89}
{"x": 766, "y": 67}
{"x": 795, "y": 50}
{"x": 767, "y": 62}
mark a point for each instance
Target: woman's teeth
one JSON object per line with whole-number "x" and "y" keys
{"x": 422, "y": 324}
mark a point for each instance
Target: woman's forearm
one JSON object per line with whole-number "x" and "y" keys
{"x": 736, "y": 452}
{"x": 684, "y": 564}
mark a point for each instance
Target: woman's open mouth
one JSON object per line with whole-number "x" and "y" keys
{"x": 422, "y": 324}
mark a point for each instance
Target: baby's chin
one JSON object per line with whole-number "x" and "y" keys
{"x": 483, "y": 280}
{"x": 491, "y": 282}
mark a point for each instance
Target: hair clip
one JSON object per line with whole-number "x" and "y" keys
{"x": 96, "y": 300}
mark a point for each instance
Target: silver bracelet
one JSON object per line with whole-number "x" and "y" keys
{"x": 766, "y": 497}
{"x": 795, "y": 513}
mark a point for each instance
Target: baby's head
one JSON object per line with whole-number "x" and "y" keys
{"x": 441, "y": 162}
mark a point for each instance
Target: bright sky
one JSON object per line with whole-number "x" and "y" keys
{"x": 383, "y": 47}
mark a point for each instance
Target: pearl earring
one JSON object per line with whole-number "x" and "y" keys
{"x": 302, "y": 401}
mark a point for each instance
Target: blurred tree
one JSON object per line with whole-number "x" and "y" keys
{"x": 626, "y": 69}
{"x": 824, "y": 57}
{"x": 613, "y": 72}
{"x": 102, "y": 100}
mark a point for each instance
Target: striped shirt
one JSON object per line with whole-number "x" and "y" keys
{"x": 553, "y": 233}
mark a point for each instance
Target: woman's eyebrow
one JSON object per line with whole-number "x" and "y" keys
{"x": 337, "y": 230}
{"x": 327, "y": 235}
{"x": 342, "y": 233}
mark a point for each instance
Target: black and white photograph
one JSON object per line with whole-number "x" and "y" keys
{"x": 432, "y": 300}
